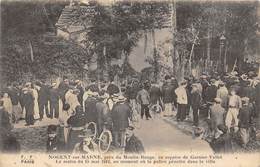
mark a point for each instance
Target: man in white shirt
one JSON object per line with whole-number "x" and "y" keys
{"x": 235, "y": 104}
{"x": 182, "y": 101}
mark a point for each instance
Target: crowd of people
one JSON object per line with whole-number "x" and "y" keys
{"x": 230, "y": 103}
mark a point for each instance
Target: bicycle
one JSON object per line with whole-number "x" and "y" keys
{"x": 91, "y": 142}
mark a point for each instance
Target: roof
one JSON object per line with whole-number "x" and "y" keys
{"x": 67, "y": 21}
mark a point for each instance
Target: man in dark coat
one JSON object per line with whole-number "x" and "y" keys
{"x": 43, "y": 100}
{"x": 211, "y": 91}
{"x": 244, "y": 120}
{"x": 93, "y": 86}
{"x": 155, "y": 94}
{"x": 168, "y": 96}
{"x": 195, "y": 102}
{"x": 90, "y": 107}
{"x": 77, "y": 123}
{"x": 133, "y": 144}
{"x": 63, "y": 88}
{"x": 222, "y": 143}
{"x": 20, "y": 96}
{"x": 54, "y": 102}
{"x": 103, "y": 114}
{"x": 248, "y": 91}
{"x": 29, "y": 105}
{"x": 112, "y": 89}
{"x": 188, "y": 91}
{"x": 81, "y": 91}
{"x": 120, "y": 115}
{"x": 205, "y": 84}
{"x": 53, "y": 142}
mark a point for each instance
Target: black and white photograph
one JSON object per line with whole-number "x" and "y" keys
{"x": 130, "y": 77}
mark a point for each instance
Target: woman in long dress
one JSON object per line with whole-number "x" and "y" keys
{"x": 36, "y": 104}
{"x": 7, "y": 103}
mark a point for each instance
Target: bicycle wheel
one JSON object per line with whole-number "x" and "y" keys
{"x": 91, "y": 130}
{"x": 104, "y": 141}
{"x": 136, "y": 120}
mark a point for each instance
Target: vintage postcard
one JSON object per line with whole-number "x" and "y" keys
{"x": 130, "y": 83}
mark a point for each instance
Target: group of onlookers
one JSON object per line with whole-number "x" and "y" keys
{"x": 229, "y": 103}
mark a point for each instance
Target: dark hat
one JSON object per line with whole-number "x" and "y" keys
{"x": 76, "y": 91}
{"x": 187, "y": 78}
{"x": 167, "y": 77}
{"x": 66, "y": 107}
{"x": 213, "y": 80}
{"x": 102, "y": 95}
{"x": 52, "y": 128}
{"x": 79, "y": 108}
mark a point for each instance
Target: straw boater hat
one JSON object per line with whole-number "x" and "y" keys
{"x": 116, "y": 95}
{"x": 28, "y": 84}
{"x": 77, "y": 81}
{"x": 121, "y": 98}
{"x": 53, "y": 84}
{"x": 203, "y": 76}
{"x": 91, "y": 93}
{"x": 221, "y": 83}
{"x": 245, "y": 100}
{"x": 218, "y": 100}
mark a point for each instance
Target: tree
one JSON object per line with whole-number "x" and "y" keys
{"x": 118, "y": 28}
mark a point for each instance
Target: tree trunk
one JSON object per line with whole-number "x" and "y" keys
{"x": 155, "y": 57}
{"x": 190, "y": 58}
{"x": 191, "y": 52}
{"x": 208, "y": 48}
{"x": 174, "y": 30}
